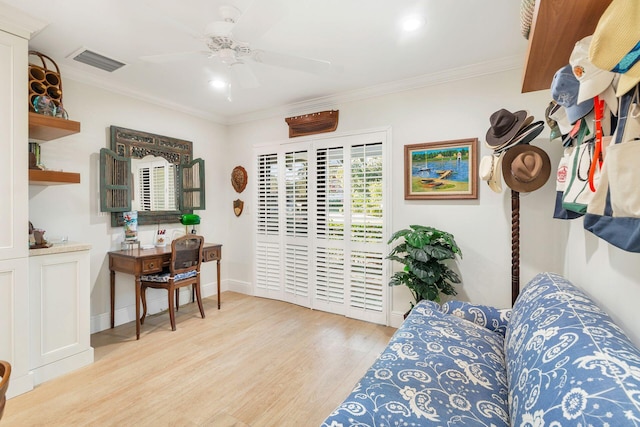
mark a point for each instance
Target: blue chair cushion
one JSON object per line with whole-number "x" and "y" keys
{"x": 164, "y": 277}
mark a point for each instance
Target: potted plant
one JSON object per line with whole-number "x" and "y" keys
{"x": 423, "y": 251}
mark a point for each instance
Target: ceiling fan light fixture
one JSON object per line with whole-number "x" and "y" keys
{"x": 218, "y": 84}
{"x": 412, "y": 23}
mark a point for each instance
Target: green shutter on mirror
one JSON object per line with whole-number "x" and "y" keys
{"x": 115, "y": 186}
{"x": 191, "y": 185}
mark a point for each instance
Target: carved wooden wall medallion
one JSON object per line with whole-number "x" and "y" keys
{"x": 238, "y": 206}
{"x": 239, "y": 179}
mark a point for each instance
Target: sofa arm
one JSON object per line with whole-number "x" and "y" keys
{"x": 495, "y": 319}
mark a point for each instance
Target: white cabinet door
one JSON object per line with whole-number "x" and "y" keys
{"x": 14, "y": 294}
{"x": 14, "y": 323}
{"x": 14, "y": 233}
{"x": 59, "y": 295}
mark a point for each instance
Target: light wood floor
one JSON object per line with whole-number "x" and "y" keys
{"x": 256, "y": 362}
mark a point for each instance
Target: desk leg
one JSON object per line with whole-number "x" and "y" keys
{"x": 138, "y": 285}
{"x": 113, "y": 297}
{"x": 218, "y": 270}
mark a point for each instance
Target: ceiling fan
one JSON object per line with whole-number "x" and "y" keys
{"x": 222, "y": 45}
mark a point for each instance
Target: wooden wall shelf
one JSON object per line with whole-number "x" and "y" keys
{"x": 40, "y": 177}
{"x": 557, "y": 26}
{"x": 46, "y": 128}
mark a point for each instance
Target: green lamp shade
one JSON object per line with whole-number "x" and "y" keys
{"x": 190, "y": 219}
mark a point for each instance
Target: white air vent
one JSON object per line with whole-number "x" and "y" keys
{"x": 96, "y": 60}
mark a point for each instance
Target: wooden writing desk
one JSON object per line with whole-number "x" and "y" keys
{"x": 148, "y": 261}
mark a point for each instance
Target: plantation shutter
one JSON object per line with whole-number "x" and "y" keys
{"x": 327, "y": 250}
{"x": 144, "y": 190}
{"x": 191, "y": 177}
{"x": 115, "y": 186}
{"x": 296, "y": 266}
{"x": 268, "y": 256}
{"x": 366, "y": 272}
{"x": 330, "y": 222}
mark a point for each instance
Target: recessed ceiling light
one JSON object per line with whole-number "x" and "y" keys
{"x": 218, "y": 84}
{"x": 412, "y": 23}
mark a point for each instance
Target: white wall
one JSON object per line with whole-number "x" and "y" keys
{"x": 444, "y": 112}
{"x": 482, "y": 227}
{"x": 73, "y": 210}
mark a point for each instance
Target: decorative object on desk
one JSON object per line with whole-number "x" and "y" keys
{"x": 45, "y": 81}
{"x": 239, "y": 179}
{"x": 441, "y": 170}
{"x": 310, "y": 124}
{"x": 238, "y": 206}
{"x": 190, "y": 219}
{"x": 128, "y": 245}
{"x": 130, "y": 225}
{"x": 161, "y": 238}
{"x": 423, "y": 252}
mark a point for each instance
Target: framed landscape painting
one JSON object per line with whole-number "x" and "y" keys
{"x": 441, "y": 170}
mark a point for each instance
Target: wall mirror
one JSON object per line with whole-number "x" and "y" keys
{"x": 152, "y": 174}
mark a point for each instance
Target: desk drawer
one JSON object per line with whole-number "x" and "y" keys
{"x": 211, "y": 254}
{"x": 151, "y": 265}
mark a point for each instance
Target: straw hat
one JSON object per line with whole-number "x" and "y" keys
{"x": 490, "y": 170}
{"x": 614, "y": 45}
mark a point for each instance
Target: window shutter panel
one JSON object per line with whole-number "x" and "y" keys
{"x": 330, "y": 275}
{"x": 366, "y": 193}
{"x": 267, "y": 218}
{"x": 191, "y": 177}
{"x": 297, "y": 201}
{"x": 330, "y": 193}
{"x": 115, "y": 182}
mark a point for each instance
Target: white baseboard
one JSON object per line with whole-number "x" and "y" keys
{"x": 156, "y": 302}
{"x": 63, "y": 366}
{"x": 396, "y": 319}
{"x": 20, "y": 385}
{"x": 239, "y": 286}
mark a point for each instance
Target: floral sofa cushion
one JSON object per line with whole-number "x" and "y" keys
{"x": 492, "y": 318}
{"x": 568, "y": 364}
{"x": 438, "y": 369}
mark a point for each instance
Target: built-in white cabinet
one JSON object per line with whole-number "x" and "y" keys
{"x": 14, "y": 243}
{"x": 59, "y": 295}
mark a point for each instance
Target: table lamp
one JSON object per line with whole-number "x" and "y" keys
{"x": 190, "y": 219}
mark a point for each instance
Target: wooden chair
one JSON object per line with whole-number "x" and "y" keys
{"x": 5, "y": 373}
{"x": 184, "y": 270}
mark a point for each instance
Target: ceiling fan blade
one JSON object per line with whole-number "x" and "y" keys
{"x": 308, "y": 65}
{"x": 258, "y": 18}
{"x": 244, "y": 76}
{"x": 168, "y": 57}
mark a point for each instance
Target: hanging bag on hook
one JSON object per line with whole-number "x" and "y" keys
{"x": 614, "y": 212}
{"x": 577, "y": 193}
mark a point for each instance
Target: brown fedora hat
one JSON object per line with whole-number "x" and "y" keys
{"x": 504, "y": 126}
{"x": 525, "y": 168}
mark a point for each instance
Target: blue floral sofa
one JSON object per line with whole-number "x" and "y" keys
{"x": 554, "y": 360}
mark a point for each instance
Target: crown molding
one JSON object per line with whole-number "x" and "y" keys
{"x": 17, "y": 22}
{"x": 332, "y": 101}
{"x": 315, "y": 104}
{"x": 82, "y": 77}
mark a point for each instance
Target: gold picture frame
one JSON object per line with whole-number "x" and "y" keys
{"x": 441, "y": 170}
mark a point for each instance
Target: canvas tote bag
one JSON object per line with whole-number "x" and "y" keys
{"x": 614, "y": 212}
